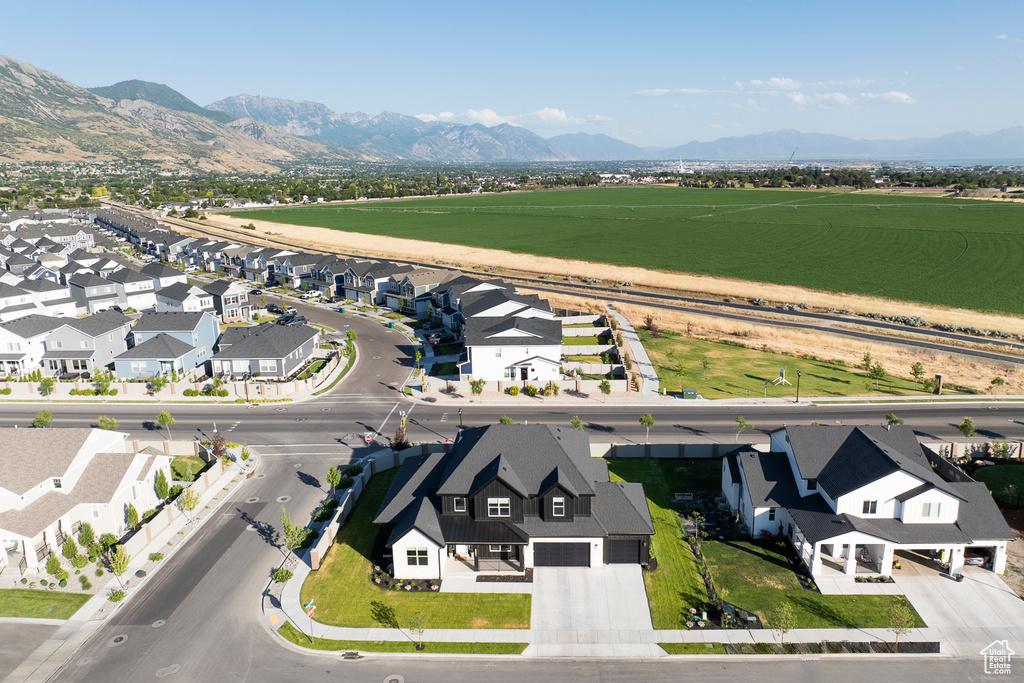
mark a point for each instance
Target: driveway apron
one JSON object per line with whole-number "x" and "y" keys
{"x": 608, "y": 598}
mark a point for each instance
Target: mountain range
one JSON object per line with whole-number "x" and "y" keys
{"x": 44, "y": 117}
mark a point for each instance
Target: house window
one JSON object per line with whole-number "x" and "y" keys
{"x": 558, "y": 506}
{"x": 497, "y": 352}
{"x": 138, "y": 367}
{"x": 499, "y": 548}
{"x": 58, "y": 345}
{"x": 812, "y": 484}
{"x": 95, "y": 512}
{"x": 510, "y": 372}
{"x": 135, "y": 493}
{"x": 56, "y": 482}
{"x": 417, "y": 557}
{"x": 84, "y": 344}
{"x": 459, "y": 505}
{"x": 498, "y": 507}
{"x": 870, "y": 507}
{"x": 931, "y": 509}
{"x": 771, "y": 514}
{"x": 268, "y": 366}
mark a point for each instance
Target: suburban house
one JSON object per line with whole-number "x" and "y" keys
{"x": 22, "y": 342}
{"x": 269, "y": 351}
{"x": 15, "y": 302}
{"x": 329, "y": 275}
{"x": 183, "y": 298}
{"x": 297, "y": 269}
{"x": 163, "y": 275}
{"x": 50, "y": 298}
{"x": 409, "y": 291}
{"x": 86, "y": 344}
{"x": 230, "y": 300}
{"x": 74, "y": 476}
{"x": 137, "y": 290}
{"x": 367, "y": 281}
{"x": 512, "y": 495}
{"x": 854, "y": 499}
{"x": 446, "y": 300}
{"x": 92, "y": 293}
{"x": 164, "y": 343}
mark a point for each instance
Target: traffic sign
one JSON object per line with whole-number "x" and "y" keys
{"x": 309, "y": 612}
{"x": 368, "y": 436}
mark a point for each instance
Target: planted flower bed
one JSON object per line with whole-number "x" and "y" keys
{"x": 385, "y": 581}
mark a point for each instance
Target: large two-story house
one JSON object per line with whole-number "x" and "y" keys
{"x": 88, "y": 344}
{"x": 519, "y": 495}
{"x": 165, "y": 343}
{"x": 855, "y": 498}
{"x": 230, "y": 300}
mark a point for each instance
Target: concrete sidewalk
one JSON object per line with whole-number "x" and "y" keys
{"x": 643, "y": 362}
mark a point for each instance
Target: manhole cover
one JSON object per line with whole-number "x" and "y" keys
{"x": 159, "y": 622}
{"x": 376, "y": 357}
{"x": 395, "y": 678}
{"x": 254, "y": 499}
{"x": 301, "y": 419}
{"x": 284, "y": 499}
{"x": 140, "y": 573}
{"x": 117, "y": 640}
{"x": 297, "y": 465}
{"x": 280, "y": 410}
{"x": 325, "y": 410}
{"x": 168, "y": 670}
{"x": 261, "y": 475}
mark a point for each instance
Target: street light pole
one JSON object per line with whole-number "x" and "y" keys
{"x": 798, "y": 373}
{"x": 460, "y": 418}
{"x": 766, "y": 389}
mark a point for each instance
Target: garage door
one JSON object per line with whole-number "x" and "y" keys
{"x": 561, "y": 554}
{"x": 623, "y": 551}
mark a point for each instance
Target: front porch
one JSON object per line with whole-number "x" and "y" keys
{"x": 487, "y": 558}
{"x": 459, "y": 576}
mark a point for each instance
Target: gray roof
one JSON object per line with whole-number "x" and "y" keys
{"x": 161, "y": 347}
{"x": 97, "y": 485}
{"x": 475, "y": 303}
{"x": 219, "y": 287}
{"x": 100, "y": 323}
{"x": 303, "y": 259}
{"x": 87, "y": 279}
{"x": 769, "y": 478}
{"x": 263, "y": 341}
{"x": 180, "y": 291}
{"x": 171, "y": 321}
{"x": 979, "y": 516}
{"x": 33, "y": 325}
{"x": 621, "y": 508}
{"x": 124, "y": 275}
{"x": 493, "y": 332}
{"x": 69, "y": 353}
{"x": 51, "y": 451}
{"x": 156, "y": 269}
{"x": 7, "y": 291}
{"x": 41, "y": 285}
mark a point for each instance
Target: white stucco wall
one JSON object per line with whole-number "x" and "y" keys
{"x": 883, "y": 490}
{"x": 435, "y": 557}
{"x": 489, "y": 362}
{"x": 948, "y": 511}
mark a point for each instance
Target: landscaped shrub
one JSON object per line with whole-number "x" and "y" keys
{"x": 531, "y": 390}
{"x": 149, "y": 515}
{"x": 108, "y": 541}
{"x": 99, "y": 572}
{"x": 175, "y": 491}
{"x": 62, "y": 574}
{"x": 113, "y": 392}
{"x": 156, "y": 557}
{"x": 346, "y": 482}
{"x": 52, "y": 564}
{"x": 222, "y": 393}
{"x": 352, "y": 470}
{"x": 79, "y": 561}
{"x": 190, "y": 393}
{"x": 86, "y": 536}
{"x": 63, "y": 583}
{"x": 24, "y": 581}
{"x": 281, "y": 575}
{"x": 44, "y": 582}
{"x": 513, "y": 390}
{"x": 116, "y": 596}
{"x": 6, "y": 391}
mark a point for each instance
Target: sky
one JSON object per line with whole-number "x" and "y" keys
{"x": 652, "y": 74}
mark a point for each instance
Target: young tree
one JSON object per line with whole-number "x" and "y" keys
{"x": 333, "y": 478}
{"x": 576, "y": 423}
{"x": 967, "y": 427}
{"x": 892, "y": 420}
{"x": 901, "y": 620}
{"x": 187, "y": 501}
{"x": 46, "y": 386}
{"x": 131, "y": 516}
{"x": 419, "y": 357}
{"x": 705, "y": 364}
{"x": 291, "y": 534}
{"x": 741, "y": 424}
{"x": 647, "y": 421}
{"x": 86, "y": 536}
{"x": 476, "y": 386}
{"x": 52, "y": 564}
{"x": 505, "y": 420}
{"x": 866, "y": 361}
{"x": 157, "y": 384}
{"x": 418, "y": 624}
{"x": 118, "y": 561}
{"x": 877, "y": 373}
{"x": 219, "y": 447}
{"x": 1000, "y": 449}
{"x": 165, "y": 420}
{"x": 43, "y": 419}
{"x": 400, "y": 441}
{"x": 107, "y": 423}
{"x": 606, "y": 388}
{"x": 161, "y": 485}
{"x": 917, "y": 372}
{"x": 783, "y": 620}
{"x": 70, "y": 549}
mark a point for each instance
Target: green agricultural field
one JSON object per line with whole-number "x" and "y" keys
{"x": 935, "y": 250}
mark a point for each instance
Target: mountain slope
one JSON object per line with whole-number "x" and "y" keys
{"x": 395, "y": 136}
{"x": 45, "y": 118}
{"x": 157, "y": 93}
{"x": 590, "y": 147}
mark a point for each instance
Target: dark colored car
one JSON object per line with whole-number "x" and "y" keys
{"x": 256, "y": 292}
{"x": 274, "y": 308}
{"x": 297, "y": 320}
{"x": 284, "y": 319}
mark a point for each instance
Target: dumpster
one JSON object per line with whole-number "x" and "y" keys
{"x": 689, "y": 394}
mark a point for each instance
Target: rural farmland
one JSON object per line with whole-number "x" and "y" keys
{"x": 942, "y": 251}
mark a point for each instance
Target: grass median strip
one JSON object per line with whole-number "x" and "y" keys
{"x": 293, "y": 635}
{"x": 40, "y": 604}
{"x": 693, "y": 648}
{"x": 343, "y": 591}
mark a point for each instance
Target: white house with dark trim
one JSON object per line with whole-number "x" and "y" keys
{"x": 853, "y": 499}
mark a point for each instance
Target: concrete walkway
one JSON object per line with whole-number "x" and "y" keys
{"x": 643, "y": 362}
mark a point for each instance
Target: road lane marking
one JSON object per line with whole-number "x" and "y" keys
{"x": 380, "y": 430}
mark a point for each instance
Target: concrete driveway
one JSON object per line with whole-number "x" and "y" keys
{"x": 971, "y": 613}
{"x": 608, "y": 598}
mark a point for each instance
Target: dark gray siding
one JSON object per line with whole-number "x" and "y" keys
{"x": 637, "y": 548}
{"x": 497, "y": 490}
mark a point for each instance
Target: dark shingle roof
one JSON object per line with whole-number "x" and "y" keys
{"x": 124, "y": 275}
{"x": 172, "y": 321}
{"x": 180, "y": 291}
{"x": 264, "y": 341}
{"x": 33, "y": 325}
{"x": 159, "y": 270}
{"x": 162, "y": 346}
{"x": 513, "y": 331}
{"x": 769, "y": 479}
{"x": 41, "y": 285}
{"x": 621, "y": 508}
{"x": 100, "y": 323}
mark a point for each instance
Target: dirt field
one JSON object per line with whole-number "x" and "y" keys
{"x": 374, "y": 245}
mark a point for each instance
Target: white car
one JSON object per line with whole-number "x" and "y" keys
{"x": 312, "y": 294}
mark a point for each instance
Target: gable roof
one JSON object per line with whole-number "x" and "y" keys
{"x": 263, "y": 341}
{"x": 160, "y": 347}
{"x": 52, "y": 452}
{"x": 33, "y": 325}
{"x": 513, "y": 331}
{"x": 156, "y": 269}
{"x": 125, "y": 275}
{"x": 180, "y": 292}
{"x": 100, "y": 323}
{"x": 220, "y": 287}
{"x": 169, "y": 321}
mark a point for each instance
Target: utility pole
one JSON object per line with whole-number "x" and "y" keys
{"x": 798, "y": 373}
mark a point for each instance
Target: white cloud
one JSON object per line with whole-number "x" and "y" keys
{"x": 487, "y": 117}
{"x": 545, "y": 117}
{"x": 856, "y": 82}
{"x": 802, "y": 101}
{"x": 430, "y": 118}
{"x": 599, "y": 118}
{"x": 1012, "y": 39}
{"x": 777, "y": 84}
{"x": 891, "y": 97}
{"x": 662, "y": 92}
{"x": 739, "y": 85}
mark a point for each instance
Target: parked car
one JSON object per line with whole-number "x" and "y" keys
{"x": 312, "y": 294}
{"x": 274, "y": 308}
{"x": 191, "y": 269}
{"x": 256, "y": 292}
{"x": 976, "y": 557}
{"x": 290, "y": 310}
{"x": 296, "y": 320}
{"x": 284, "y": 319}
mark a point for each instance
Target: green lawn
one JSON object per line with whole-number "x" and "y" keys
{"x": 585, "y": 359}
{"x": 584, "y": 341}
{"x": 738, "y": 371}
{"x": 890, "y": 246}
{"x": 312, "y": 369}
{"x": 40, "y": 604}
{"x": 758, "y": 580}
{"x": 444, "y": 369}
{"x": 675, "y": 586}
{"x": 693, "y": 648}
{"x": 180, "y": 464}
{"x": 999, "y": 477}
{"x": 343, "y": 591}
{"x": 447, "y": 349}
{"x": 294, "y": 635}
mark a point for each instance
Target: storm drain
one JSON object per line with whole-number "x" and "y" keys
{"x": 159, "y": 622}
{"x": 284, "y": 499}
{"x": 168, "y": 670}
{"x": 117, "y": 640}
